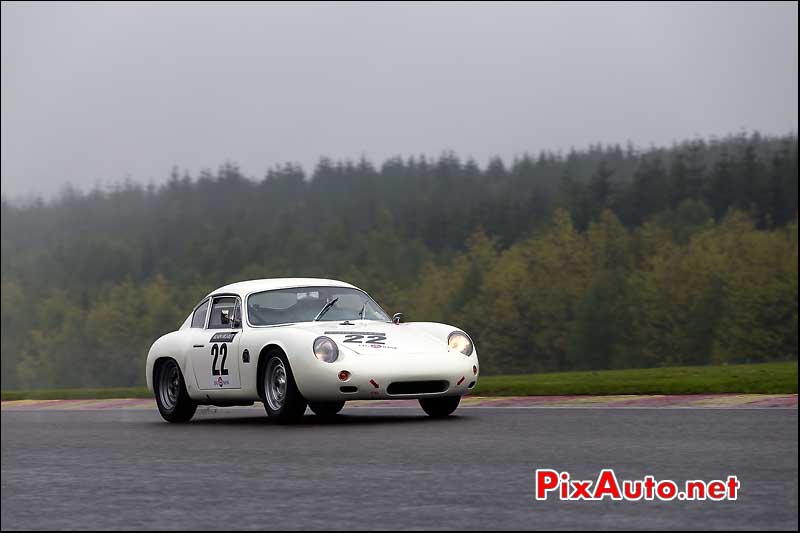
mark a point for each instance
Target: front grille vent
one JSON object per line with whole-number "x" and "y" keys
{"x": 400, "y": 388}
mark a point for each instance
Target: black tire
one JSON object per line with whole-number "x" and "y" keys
{"x": 326, "y": 409}
{"x": 173, "y": 401}
{"x": 282, "y": 398}
{"x": 440, "y": 407}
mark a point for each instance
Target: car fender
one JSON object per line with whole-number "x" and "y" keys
{"x": 442, "y": 331}
{"x": 256, "y": 341}
{"x": 168, "y": 345}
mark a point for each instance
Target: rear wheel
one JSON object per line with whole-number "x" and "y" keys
{"x": 440, "y": 407}
{"x": 173, "y": 401}
{"x": 326, "y": 409}
{"x": 282, "y": 399}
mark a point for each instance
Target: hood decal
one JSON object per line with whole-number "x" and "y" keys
{"x": 373, "y": 340}
{"x": 372, "y": 337}
{"x": 354, "y": 333}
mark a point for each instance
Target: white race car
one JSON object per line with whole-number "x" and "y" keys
{"x": 292, "y": 343}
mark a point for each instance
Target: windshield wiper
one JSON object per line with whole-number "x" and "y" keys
{"x": 325, "y": 308}
{"x": 363, "y": 311}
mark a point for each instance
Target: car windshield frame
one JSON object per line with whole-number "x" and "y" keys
{"x": 311, "y": 288}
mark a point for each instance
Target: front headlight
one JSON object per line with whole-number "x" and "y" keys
{"x": 325, "y": 349}
{"x": 459, "y": 342}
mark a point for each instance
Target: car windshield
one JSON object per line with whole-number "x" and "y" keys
{"x": 304, "y": 304}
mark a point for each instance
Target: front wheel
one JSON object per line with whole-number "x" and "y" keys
{"x": 440, "y": 407}
{"x": 326, "y": 409}
{"x": 282, "y": 399}
{"x": 173, "y": 401}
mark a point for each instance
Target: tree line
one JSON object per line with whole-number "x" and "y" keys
{"x": 607, "y": 257}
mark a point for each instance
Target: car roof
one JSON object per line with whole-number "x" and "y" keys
{"x": 243, "y": 288}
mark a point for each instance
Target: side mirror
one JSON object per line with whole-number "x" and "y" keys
{"x": 397, "y": 317}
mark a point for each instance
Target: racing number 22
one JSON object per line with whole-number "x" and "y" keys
{"x": 375, "y": 338}
{"x": 216, "y": 351}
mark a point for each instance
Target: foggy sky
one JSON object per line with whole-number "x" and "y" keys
{"x": 94, "y": 94}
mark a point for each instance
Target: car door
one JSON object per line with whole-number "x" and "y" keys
{"x": 215, "y": 349}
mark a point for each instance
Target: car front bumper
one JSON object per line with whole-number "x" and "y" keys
{"x": 388, "y": 377}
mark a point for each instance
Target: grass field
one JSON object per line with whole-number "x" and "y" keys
{"x": 765, "y": 378}
{"x": 76, "y": 394}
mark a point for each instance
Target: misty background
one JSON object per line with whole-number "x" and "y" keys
{"x": 578, "y": 186}
{"x": 95, "y": 94}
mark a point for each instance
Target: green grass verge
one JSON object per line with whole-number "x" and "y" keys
{"x": 765, "y": 378}
{"x": 76, "y": 394}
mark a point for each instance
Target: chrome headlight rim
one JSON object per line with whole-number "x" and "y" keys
{"x": 467, "y": 349}
{"x": 325, "y": 349}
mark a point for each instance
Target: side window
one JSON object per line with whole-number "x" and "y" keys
{"x": 199, "y": 317}
{"x": 220, "y": 305}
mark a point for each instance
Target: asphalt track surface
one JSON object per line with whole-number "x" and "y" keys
{"x": 387, "y": 468}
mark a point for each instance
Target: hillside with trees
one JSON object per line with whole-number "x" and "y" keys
{"x": 608, "y": 257}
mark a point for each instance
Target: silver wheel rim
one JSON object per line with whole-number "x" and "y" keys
{"x": 275, "y": 384}
{"x": 169, "y": 386}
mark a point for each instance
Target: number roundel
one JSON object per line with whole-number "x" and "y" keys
{"x": 218, "y": 350}
{"x": 374, "y": 338}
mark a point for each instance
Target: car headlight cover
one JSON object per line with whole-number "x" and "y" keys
{"x": 459, "y": 342}
{"x": 325, "y": 349}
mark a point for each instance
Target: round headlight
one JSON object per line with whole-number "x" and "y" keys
{"x": 459, "y": 342}
{"x": 325, "y": 349}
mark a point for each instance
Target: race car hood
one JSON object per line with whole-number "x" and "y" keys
{"x": 372, "y": 337}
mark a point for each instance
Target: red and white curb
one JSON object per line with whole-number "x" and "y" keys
{"x": 689, "y": 401}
